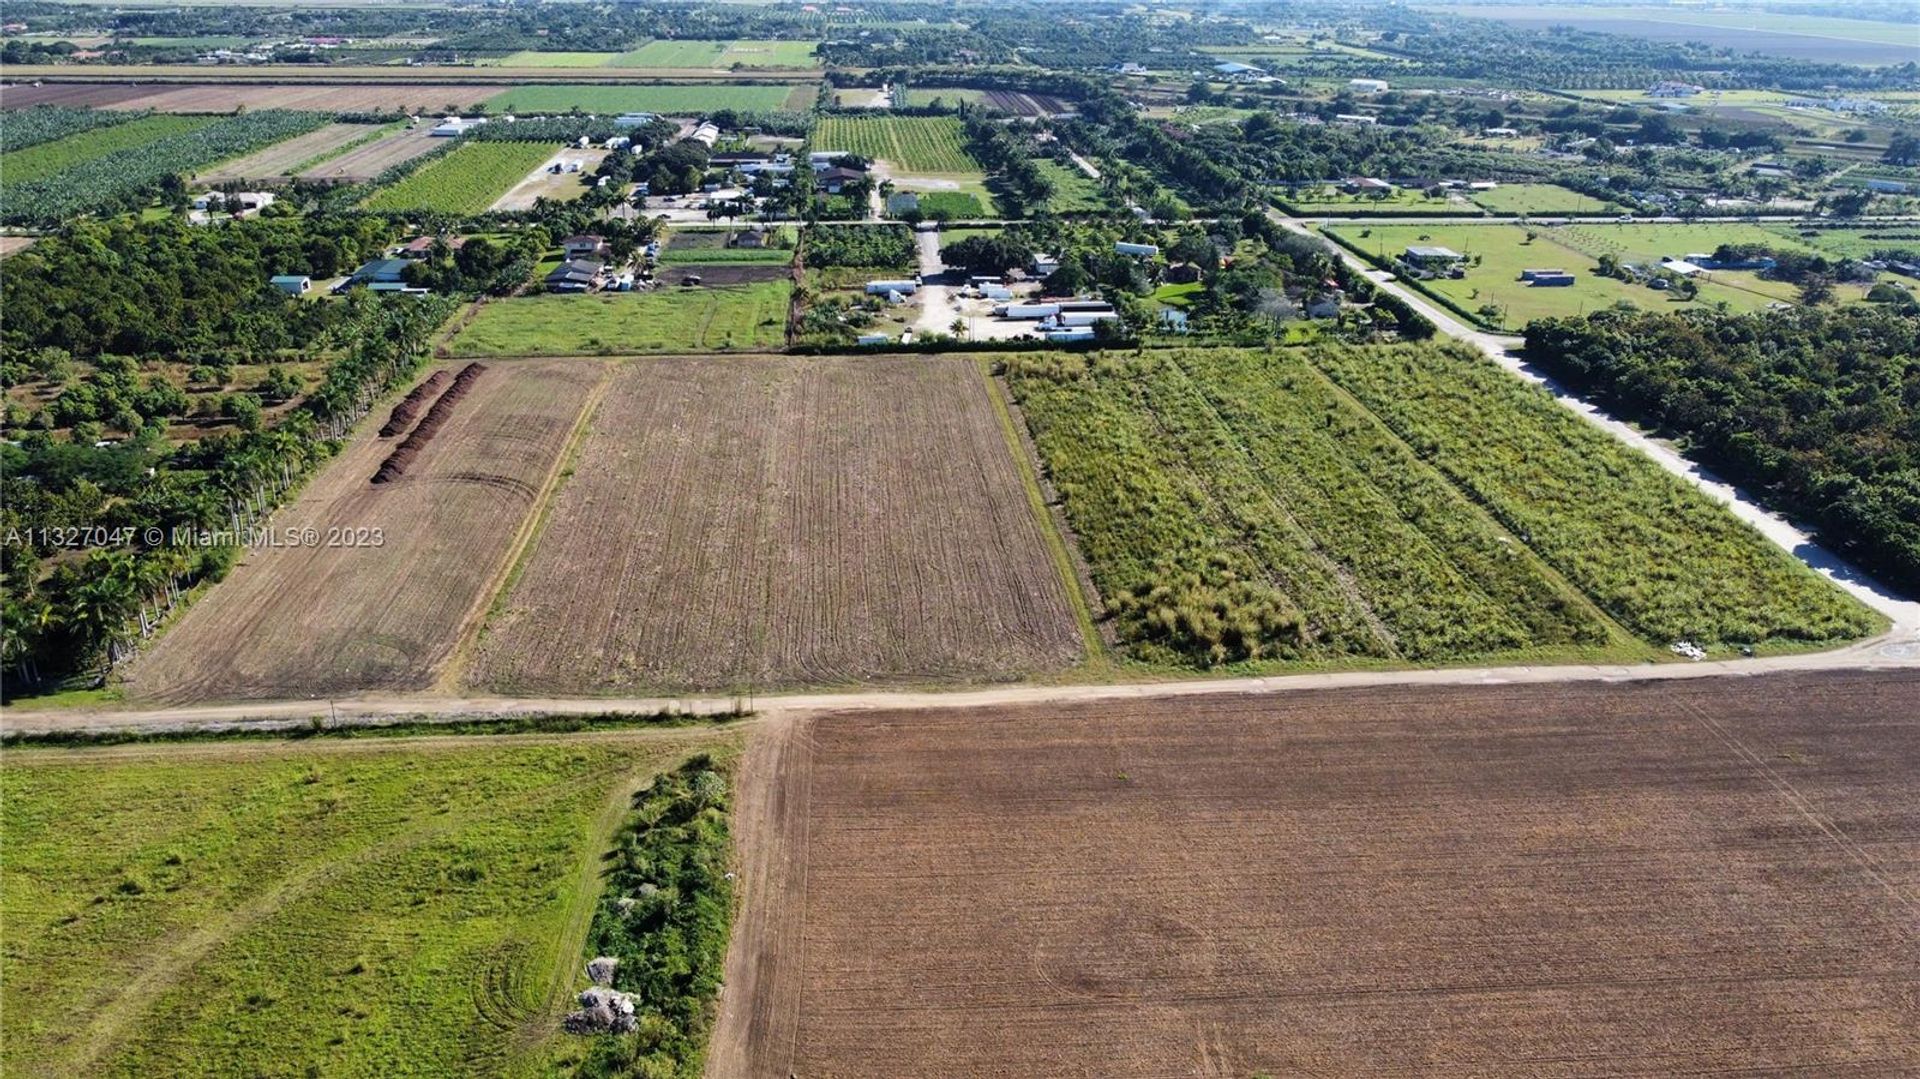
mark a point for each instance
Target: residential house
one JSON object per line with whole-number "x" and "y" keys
{"x": 381, "y": 272}
{"x": 1429, "y": 257}
{"x": 584, "y": 246}
{"x": 1365, "y": 185}
{"x": 839, "y": 178}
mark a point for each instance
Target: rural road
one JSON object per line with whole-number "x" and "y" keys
{"x": 937, "y": 306}
{"x": 1904, "y": 613}
{"x": 1891, "y": 652}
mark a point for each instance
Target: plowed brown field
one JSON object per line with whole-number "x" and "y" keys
{"x": 1652, "y": 878}
{"x": 300, "y": 620}
{"x": 751, "y": 523}
{"x": 278, "y": 160}
{"x": 371, "y": 159}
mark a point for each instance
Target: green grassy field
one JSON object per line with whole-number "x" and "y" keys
{"x": 672, "y": 100}
{"x": 918, "y": 97}
{"x": 1538, "y": 199}
{"x": 720, "y": 54}
{"x": 50, "y": 158}
{"x": 733, "y": 317}
{"x": 1074, "y": 192}
{"x": 1330, "y": 202}
{"x": 912, "y": 144}
{"x": 1740, "y": 290}
{"x": 465, "y": 181}
{"x": 1855, "y": 243}
{"x": 1407, "y": 504}
{"x": 532, "y": 58}
{"x": 392, "y": 907}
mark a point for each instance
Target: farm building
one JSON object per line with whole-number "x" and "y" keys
{"x": 292, "y": 284}
{"x": 381, "y": 272}
{"x": 1365, "y": 185}
{"x": 574, "y": 275}
{"x": 1355, "y": 119}
{"x": 1027, "y": 310}
{"x": 1136, "y": 250}
{"x": 1431, "y": 256}
{"x": 706, "y": 134}
{"x": 634, "y": 119}
{"x": 901, "y": 286}
{"x": 1550, "y": 279}
{"x": 1528, "y": 275}
{"x": 1043, "y": 265}
{"x": 454, "y": 126}
{"x": 1680, "y": 266}
{"x": 1668, "y": 88}
{"x": 873, "y": 339}
{"x": 1233, "y": 70}
{"x": 838, "y": 178}
{"x": 1501, "y": 133}
{"x": 1367, "y": 86}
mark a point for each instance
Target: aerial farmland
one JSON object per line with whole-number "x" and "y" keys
{"x": 773, "y": 541}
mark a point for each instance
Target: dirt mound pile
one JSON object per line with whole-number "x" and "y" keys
{"x": 409, "y": 407}
{"x": 402, "y": 456}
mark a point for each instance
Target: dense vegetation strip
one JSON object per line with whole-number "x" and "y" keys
{"x": 1817, "y": 410}
{"x": 466, "y": 181}
{"x": 665, "y": 915}
{"x": 1656, "y": 554}
{"x": 51, "y": 158}
{"x": 45, "y": 123}
{"x": 110, "y": 173}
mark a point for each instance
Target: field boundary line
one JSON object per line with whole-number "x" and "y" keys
{"x": 1063, "y": 561}
{"x": 454, "y": 668}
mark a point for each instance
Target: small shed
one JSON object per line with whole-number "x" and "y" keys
{"x": 292, "y": 284}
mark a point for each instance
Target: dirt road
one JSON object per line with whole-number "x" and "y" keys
{"x": 938, "y": 307}
{"x": 1890, "y": 652}
{"x": 1503, "y": 349}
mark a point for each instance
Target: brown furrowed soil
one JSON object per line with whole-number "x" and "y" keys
{"x": 736, "y": 524}
{"x": 276, "y": 161}
{"x": 369, "y": 160}
{"x": 1651, "y": 878}
{"x": 314, "y": 620}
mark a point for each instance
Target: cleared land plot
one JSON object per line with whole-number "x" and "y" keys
{"x": 737, "y": 524}
{"x": 298, "y": 621}
{"x": 1538, "y": 199}
{"x": 1410, "y": 503}
{"x": 678, "y": 99}
{"x": 1856, "y": 243}
{"x": 1568, "y": 880}
{"x": 1074, "y": 192}
{"x": 1504, "y": 251}
{"x": 366, "y": 161}
{"x": 281, "y": 159}
{"x": 374, "y": 907}
{"x": 51, "y": 158}
{"x": 75, "y": 95}
{"x": 1330, "y": 201}
{"x": 671, "y": 319}
{"x": 918, "y": 144}
{"x": 530, "y": 58}
{"x": 466, "y": 181}
{"x": 1807, "y": 37}
{"x": 561, "y": 186}
{"x": 1648, "y": 243}
{"x": 336, "y": 97}
{"x": 720, "y": 54}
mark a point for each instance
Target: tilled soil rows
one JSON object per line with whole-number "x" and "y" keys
{"x": 369, "y": 586}
{"x": 1549, "y": 880}
{"x": 734, "y": 524}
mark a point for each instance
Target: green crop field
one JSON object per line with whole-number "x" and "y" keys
{"x": 673, "y": 319}
{"x": 912, "y": 144}
{"x": 720, "y": 54}
{"x": 405, "y": 906}
{"x": 1405, "y": 503}
{"x": 1074, "y": 192}
{"x": 1550, "y": 199}
{"x": 50, "y": 158}
{"x": 671, "y": 100}
{"x": 465, "y": 181}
